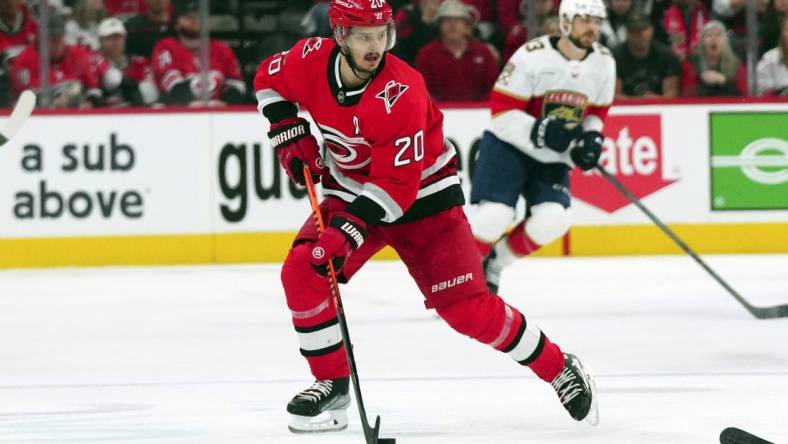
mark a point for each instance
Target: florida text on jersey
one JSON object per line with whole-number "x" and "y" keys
{"x": 539, "y": 81}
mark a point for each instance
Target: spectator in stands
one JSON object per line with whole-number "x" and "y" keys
{"x": 415, "y": 28}
{"x": 456, "y": 67}
{"x": 135, "y": 85}
{"x": 82, "y": 28}
{"x": 714, "y": 70}
{"x": 614, "y": 29}
{"x": 644, "y": 67}
{"x": 18, "y": 29}
{"x": 683, "y": 22}
{"x": 125, "y": 8}
{"x": 733, "y": 15}
{"x": 145, "y": 29}
{"x": 769, "y": 29}
{"x": 519, "y": 34}
{"x": 773, "y": 66}
{"x": 176, "y": 67}
{"x": 73, "y": 81}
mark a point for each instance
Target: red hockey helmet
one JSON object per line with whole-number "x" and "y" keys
{"x": 344, "y": 14}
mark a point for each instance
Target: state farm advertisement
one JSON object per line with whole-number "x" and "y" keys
{"x": 632, "y": 151}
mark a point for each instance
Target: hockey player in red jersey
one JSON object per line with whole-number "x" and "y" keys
{"x": 389, "y": 178}
{"x": 548, "y": 109}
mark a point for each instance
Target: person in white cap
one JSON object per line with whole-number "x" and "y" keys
{"x": 128, "y": 80}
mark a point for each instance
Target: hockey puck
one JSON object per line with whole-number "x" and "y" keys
{"x": 386, "y": 440}
{"x": 732, "y": 435}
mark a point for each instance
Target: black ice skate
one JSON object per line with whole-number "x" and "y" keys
{"x": 492, "y": 271}
{"x": 320, "y": 408}
{"x": 576, "y": 390}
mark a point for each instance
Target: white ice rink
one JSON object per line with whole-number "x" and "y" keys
{"x": 203, "y": 355}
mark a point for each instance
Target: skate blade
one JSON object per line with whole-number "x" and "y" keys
{"x": 593, "y": 413}
{"x": 328, "y": 421}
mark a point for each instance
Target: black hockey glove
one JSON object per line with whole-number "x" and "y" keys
{"x": 585, "y": 154}
{"x": 554, "y": 133}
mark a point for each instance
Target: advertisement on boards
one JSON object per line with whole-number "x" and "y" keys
{"x": 749, "y": 161}
{"x": 633, "y": 152}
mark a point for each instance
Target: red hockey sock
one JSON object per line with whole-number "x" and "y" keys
{"x": 314, "y": 316}
{"x": 489, "y": 320}
{"x": 548, "y": 364}
{"x": 519, "y": 242}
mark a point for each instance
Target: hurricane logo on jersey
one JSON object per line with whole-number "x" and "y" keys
{"x": 348, "y": 153}
{"x": 566, "y": 105}
{"x": 391, "y": 93}
{"x": 312, "y": 44}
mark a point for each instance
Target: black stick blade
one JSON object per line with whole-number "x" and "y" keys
{"x": 732, "y": 435}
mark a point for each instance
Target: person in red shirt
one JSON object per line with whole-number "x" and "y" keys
{"x": 131, "y": 83}
{"x": 176, "y": 66}
{"x": 17, "y": 30}
{"x": 683, "y": 22}
{"x": 455, "y": 66}
{"x": 389, "y": 178}
{"x": 73, "y": 79}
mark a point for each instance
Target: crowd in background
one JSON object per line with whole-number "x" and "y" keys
{"x": 114, "y": 53}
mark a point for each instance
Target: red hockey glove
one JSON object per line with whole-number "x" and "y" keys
{"x": 295, "y": 146}
{"x": 344, "y": 234}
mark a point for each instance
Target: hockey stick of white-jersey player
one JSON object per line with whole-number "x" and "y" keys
{"x": 370, "y": 433}
{"x": 776, "y": 311}
{"x": 22, "y": 110}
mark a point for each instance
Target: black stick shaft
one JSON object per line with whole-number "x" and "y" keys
{"x": 758, "y": 312}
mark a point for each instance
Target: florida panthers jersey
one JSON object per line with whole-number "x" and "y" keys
{"x": 383, "y": 141}
{"x": 539, "y": 81}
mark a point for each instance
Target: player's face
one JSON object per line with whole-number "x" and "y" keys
{"x": 585, "y": 30}
{"x": 367, "y": 45}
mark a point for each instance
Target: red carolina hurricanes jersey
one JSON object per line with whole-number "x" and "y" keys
{"x": 73, "y": 68}
{"x": 383, "y": 141}
{"x": 173, "y": 63}
{"x": 14, "y": 38}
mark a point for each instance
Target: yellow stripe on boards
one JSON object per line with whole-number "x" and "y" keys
{"x": 702, "y": 238}
{"x": 273, "y": 246}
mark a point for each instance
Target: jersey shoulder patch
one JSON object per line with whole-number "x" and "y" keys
{"x": 391, "y": 94}
{"x": 602, "y": 49}
{"x": 312, "y": 45}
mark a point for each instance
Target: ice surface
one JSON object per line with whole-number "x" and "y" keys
{"x": 207, "y": 355}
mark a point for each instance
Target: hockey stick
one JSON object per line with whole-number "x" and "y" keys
{"x": 776, "y": 311}
{"x": 370, "y": 433}
{"x": 22, "y": 110}
{"x": 732, "y": 435}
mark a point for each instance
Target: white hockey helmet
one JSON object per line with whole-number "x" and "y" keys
{"x": 571, "y": 8}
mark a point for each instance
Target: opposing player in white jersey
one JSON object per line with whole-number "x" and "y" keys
{"x": 548, "y": 109}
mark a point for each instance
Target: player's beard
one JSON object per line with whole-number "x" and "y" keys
{"x": 584, "y": 41}
{"x": 370, "y": 62}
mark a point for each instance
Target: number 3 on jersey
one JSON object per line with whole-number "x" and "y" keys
{"x": 406, "y": 155}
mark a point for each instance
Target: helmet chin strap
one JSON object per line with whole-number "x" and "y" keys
{"x": 345, "y": 51}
